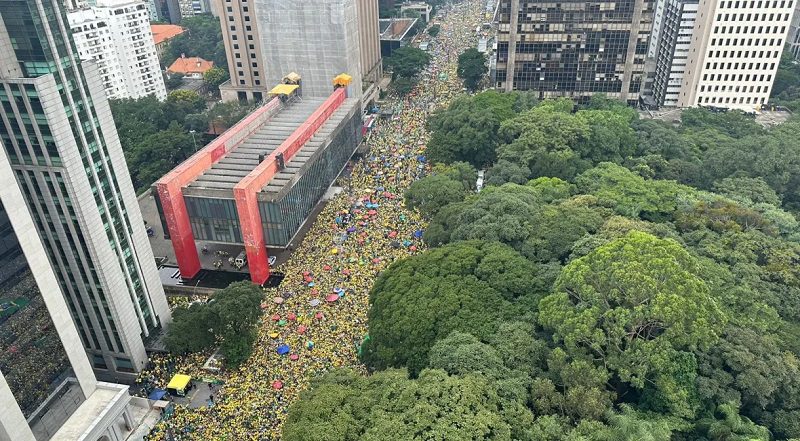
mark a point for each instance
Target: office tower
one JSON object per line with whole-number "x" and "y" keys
{"x": 574, "y": 48}
{"x": 268, "y": 39}
{"x": 47, "y": 388}
{"x": 57, "y": 133}
{"x": 672, "y": 51}
{"x": 127, "y": 61}
{"x": 725, "y": 55}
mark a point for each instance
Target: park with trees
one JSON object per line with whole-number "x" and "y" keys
{"x": 617, "y": 279}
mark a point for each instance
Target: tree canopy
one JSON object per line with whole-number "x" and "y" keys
{"x": 468, "y": 131}
{"x": 615, "y": 279}
{"x": 228, "y": 317}
{"x": 471, "y": 67}
{"x": 202, "y": 38}
{"x": 407, "y": 62}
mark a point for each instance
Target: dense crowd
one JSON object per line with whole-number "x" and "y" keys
{"x": 32, "y": 357}
{"x": 317, "y": 319}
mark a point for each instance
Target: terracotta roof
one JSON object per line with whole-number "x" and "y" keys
{"x": 190, "y": 65}
{"x": 163, "y": 32}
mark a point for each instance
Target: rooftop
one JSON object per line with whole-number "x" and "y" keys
{"x": 236, "y": 164}
{"x": 188, "y": 65}
{"x": 395, "y": 29}
{"x": 242, "y": 159}
{"x": 164, "y": 32}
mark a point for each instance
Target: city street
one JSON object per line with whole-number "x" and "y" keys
{"x": 322, "y": 316}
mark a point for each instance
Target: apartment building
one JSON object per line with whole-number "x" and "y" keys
{"x": 116, "y": 35}
{"x": 573, "y": 48}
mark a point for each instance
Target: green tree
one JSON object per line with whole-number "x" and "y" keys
{"x": 727, "y": 425}
{"x": 173, "y": 81}
{"x": 631, "y": 195}
{"x": 191, "y": 329}
{"x": 468, "y": 130}
{"x": 158, "y": 153}
{"x": 433, "y": 31}
{"x": 202, "y": 38}
{"x": 468, "y": 286}
{"x": 229, "y": 316}
{"x": 445, "y": 186}
{"x": 637, "y": 304}
{"x": 471, "y": 67}
{"x": 214, "y": 77}
{"x": 407, "y": 62}
{"x": 237, "y": 307}
{"x": 403, "y": 86}
{"x": 388, "y": 405}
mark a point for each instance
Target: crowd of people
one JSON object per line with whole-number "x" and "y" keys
{"x": 316, "y": 319}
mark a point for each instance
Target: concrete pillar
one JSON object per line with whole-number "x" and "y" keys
{"x": 126, "y": 415}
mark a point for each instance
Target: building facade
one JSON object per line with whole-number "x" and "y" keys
{"x": 573, "y": 48}
{"x": 672, "y": 54}
{"x": 47, "y": 388}
{"x": 731, "y": 57}
{"x": 57, "y": 134}
{"x": 116, "y": 35}
{"x": 268, "y": 39}
{"x": 371, "y": 61}
{"x": 240, "y": 34}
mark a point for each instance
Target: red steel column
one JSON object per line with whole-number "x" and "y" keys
{"x": 180, "y": 229}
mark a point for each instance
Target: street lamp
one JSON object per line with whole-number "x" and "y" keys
{"x": 193, "y": 140}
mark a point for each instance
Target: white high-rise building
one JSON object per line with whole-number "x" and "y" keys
{"x": 734, "y": 52}
{"x": 116, "y": 35}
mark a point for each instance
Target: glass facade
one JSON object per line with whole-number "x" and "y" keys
{"x": 38, "y": 33}
{"x": 574, "y": 48}
{"x": 217, "y": 219}
{"x": 214, "y": 219}
{"x": 32, "y": 358}
{"x": 282, "y": 219}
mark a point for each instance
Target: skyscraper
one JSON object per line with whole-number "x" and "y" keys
{"x": 267, "y": 39}
{"x": 47, "y": 388}
{"x": 58, "y": 136}
{"x": 574, "y": 48}
{"x": 733, "y": 53}
{"x": 672, "y": 50}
